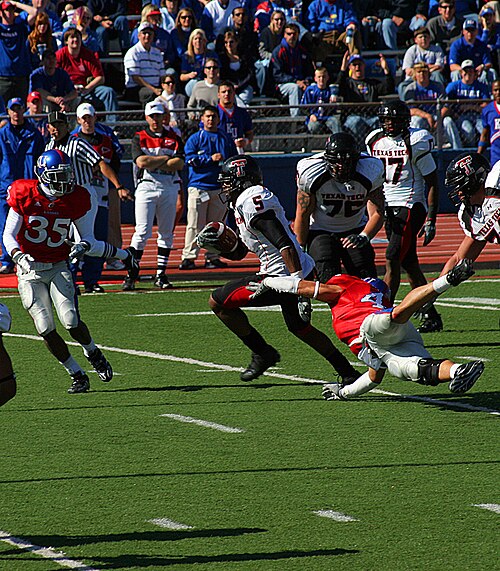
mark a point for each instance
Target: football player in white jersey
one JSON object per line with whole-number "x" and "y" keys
{"x": 410, "y": 170}
{"x": 340, "y": 208}
{"x": 478, "y": 195}
{"x": 264, "y": 229}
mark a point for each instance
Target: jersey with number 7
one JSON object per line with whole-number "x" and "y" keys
{"x": 46, "y": 222}
{"x": 405, "y": 166}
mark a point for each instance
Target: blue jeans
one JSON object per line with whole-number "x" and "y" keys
{"x": 106, "y": 97}
{"x": 294, "y": 94}
{"x": 119, "y": 30}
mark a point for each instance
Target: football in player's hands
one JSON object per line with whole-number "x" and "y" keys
{"x": 218, "y": 238}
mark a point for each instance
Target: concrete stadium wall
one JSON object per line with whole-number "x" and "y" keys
{"x": 279, "y": 175}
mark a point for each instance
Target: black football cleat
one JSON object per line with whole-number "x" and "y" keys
{"x": 163, "y": 282}
{"x": 431, "y": 324}
{"x": 259, "y": 364}
{"x": 81, "y": 383}
{"x": 101, "y": 365}
{"x": 465, "y": 377}
{"x": 128, "y": 284}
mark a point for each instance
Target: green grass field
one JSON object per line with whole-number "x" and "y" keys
{"x": 87, "y": 475}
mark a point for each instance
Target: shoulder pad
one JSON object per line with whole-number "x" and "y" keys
{"x": 420, "y": 135}
{"x": 371, "y": 168}
{"x": 493, "y": 178}
{"x": 374, "y": 136}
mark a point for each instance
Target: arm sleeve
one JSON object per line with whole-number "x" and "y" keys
{"x": 12, "y": 227}
{"x": 272, "y": 229}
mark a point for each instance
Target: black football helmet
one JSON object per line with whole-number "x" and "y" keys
{"x": 465, "y": 175}
{"x": 394, "y": 116}
{"x": 237, "y": 174}
{"x": 341, "y": 156}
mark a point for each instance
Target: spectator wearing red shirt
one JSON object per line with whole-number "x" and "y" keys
{"x": 85, "y": 70}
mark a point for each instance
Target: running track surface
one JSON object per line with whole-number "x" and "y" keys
{"x": 432, "y": 257}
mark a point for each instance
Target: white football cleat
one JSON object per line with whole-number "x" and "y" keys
{"x": 332, "y": 391}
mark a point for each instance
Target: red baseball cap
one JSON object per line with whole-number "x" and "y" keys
{"x": 7, "y": 5}
{"x": 33, "y": 95}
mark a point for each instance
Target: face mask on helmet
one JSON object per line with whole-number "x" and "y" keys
{"x": 394, "y": 119}
{"x": 55, "y": 173}
{"x": 342, "y": 166}
{"x": 465, "y": 176}
{"x": 237, "y": 174}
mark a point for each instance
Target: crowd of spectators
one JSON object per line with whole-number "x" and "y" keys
{"x": 178, "y": 51}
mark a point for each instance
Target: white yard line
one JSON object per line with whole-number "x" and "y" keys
{"x": 198, "y": 363}
{"x": 472, "y": 358}
{"x": 47, "y": 552}
{"x": 169, "y": 524}
{"x": 337, "y": 516}
{"x": 204, "y": 423}
{"x": 495, "y": 508}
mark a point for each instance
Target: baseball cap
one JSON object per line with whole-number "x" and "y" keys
{"x": 470, "y": 24}
{"x": 356, "y": 57}
{"x": 15, "y": 101}
{"x": 56, "y": 116}
{"x": 467, "y": 63}
{"x": 153, "y": 107}
{"x": 145, "y": 26}
{"x": 155, "y": 13}
{"x": 421, "y": 31}
{"x": 7, "y": 5}
{"x": 85, "y": 109}
{"x": 33, "y": 96}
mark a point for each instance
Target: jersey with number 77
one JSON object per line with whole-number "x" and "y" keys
{"x": 405, "y": 168}
{"x": 46, "y": 222}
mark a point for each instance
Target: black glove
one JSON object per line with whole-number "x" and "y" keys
{"x": 429, "y": 230}
{"x": 356, "y": 241}
{"x": 461, "y": 272}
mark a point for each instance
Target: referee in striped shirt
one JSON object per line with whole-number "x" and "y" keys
{"x": 85, "y": 161}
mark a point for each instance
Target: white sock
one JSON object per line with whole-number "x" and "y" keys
{"x": 72, "y": 366}
{"x": 453, "y": 370}
{"x": 359, "y": 387}
{"x": 87, "y": 349}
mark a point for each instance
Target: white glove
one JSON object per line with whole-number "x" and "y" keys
{"x": 285, "y": 284}
{"x": 24, "y": 261}
{"x": 258, "y": 288}
{"x": 77, "y": 250}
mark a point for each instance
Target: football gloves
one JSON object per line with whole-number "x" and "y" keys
{"x": 428, "y": 230}
{"x": 258, "y": 288}
{"x": 208, "y": 237}
{"x": 355, "y": 241}
{"x": 460, "y": 273}
{"x": 26, "y": 263}
{"x": 77, "y": 250}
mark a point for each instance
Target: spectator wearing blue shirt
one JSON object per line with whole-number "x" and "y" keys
{"x": 34, "y": 104}
{"x": 423, "y": 115}
{"x": 490, "y": 135}
{"x": 336, "y": 25}
{"x": 20, "y": 146}
{"x": 193, "y": 60}
{"x": 468, "y": 118}
{"x": 54, "y": 84}
{"x": 233, "y": 120}
{"x": 320, "y": 120}
{"x": 15, "y": 64}
{"x": 30, "y": 13}
{"x": 469, "y": 47}
{"x": 205, "y": 151}
{"x": 490, "y": 33}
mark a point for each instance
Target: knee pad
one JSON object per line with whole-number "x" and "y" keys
{"x": 70, "y": 319}
{"x": 428, "y": 371}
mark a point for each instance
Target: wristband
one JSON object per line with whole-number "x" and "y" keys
{"x": 441, "y": 284}
{"x": 121, "y": 187}
{"x": 482, "y": 144}
{"x": 316, "y": 289}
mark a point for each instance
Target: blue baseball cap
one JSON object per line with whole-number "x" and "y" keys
{"x": 15, "y": 101}
{"x": 470, "y": 24}
{"x": 356, "y": 57}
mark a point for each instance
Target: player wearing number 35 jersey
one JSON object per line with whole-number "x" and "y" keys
{"x": 410, "y": 174}
{"x": 340, "y": 207}
{"x": 36, "y": 236}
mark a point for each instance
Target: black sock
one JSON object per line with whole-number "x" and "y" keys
{"x": 255, "y": 342}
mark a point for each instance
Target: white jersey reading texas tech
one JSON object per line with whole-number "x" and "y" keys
{"x": 404, "y": 168}
{"x": 340, "y": 206}
{"x": 484, "y": 222}
{"x": 256, "y": 200}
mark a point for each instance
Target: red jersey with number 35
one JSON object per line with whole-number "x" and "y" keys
{"x": 358, "y": 300}
{"x": 46, "y": 222}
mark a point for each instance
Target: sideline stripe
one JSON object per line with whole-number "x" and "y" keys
{"x": 198, "y": 363}
{"x": 205, "y": 423}
{"x": 337, "y": 516}
{"x": 495, "y": 508}
{"x": 485, "y": 307}
{"x": 169, "y": 523}
{"x": 56, "y": 556}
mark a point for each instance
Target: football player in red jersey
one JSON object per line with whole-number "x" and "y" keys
{"x": 36, "y": 236}
{"x": 379, "y": 334}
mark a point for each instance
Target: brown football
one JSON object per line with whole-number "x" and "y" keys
{"x": 227, "y": 237}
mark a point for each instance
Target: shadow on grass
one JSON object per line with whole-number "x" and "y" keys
{"x": 156, "y": 562}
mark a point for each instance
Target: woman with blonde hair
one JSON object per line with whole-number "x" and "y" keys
{"x": 194, "y": 58}
{"x": 236, "y": 68}
{"x": 81, "y": 20}
{"x": 185, "y": 23}
{"x": 40, "y": 39}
